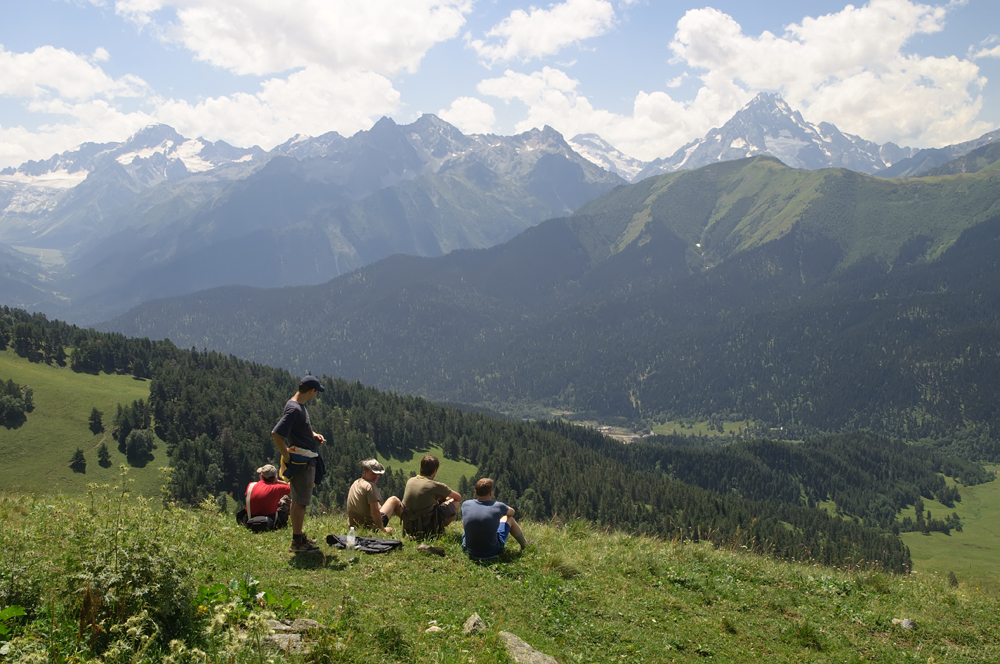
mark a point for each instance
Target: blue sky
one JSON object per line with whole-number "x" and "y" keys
{"x": 647, "y": 75}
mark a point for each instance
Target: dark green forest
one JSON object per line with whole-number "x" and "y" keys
{"x": 817, "y": 301}
{"x": 214, "y": 414}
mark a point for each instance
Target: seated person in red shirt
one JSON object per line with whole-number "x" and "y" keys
{"x": 269, "y": 497}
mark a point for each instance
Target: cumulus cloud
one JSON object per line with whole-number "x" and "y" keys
{"x": 50, "y": 72}
{"x": 542, "y": 32}
{"x": 849, "y": 68}
{"x": 658, "y": 124}
{"x": 262, "y": 37}
{"x": 312, "y": 101}
{"x": 470, "y": 115}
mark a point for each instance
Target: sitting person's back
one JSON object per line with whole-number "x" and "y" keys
{"x": 428, "y": 505}
{"x": 268, "y": 497}
{"x": 487, "y": 523}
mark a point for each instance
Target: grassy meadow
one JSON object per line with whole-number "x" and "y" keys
{"x": 973, "y": 554}
{"x": 39, "y": 450}
{"x": 580, "y": 594}
{"x": 450, "y": 471}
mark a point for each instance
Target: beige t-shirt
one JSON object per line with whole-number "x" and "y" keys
{"x": 359, "y": 499}
{"x": 422, "y": 492}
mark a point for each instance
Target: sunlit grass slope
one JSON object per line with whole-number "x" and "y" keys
{"x": 579, "y": 593}
{"x": 450, "y": 471}
{"x": 973, "y": 554}
{"x": 36, "y": 455}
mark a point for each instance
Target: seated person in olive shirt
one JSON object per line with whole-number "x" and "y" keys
{"x": 423, "y": 495}
{"x": 364, "y": 500}
{"x": 487, "y": 524}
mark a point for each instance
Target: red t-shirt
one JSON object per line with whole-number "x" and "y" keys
{"x": 263, "y": 498}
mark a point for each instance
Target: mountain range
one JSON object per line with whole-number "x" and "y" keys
{"x": 89, "y": 233}
{"x": 92, "y": 232}
{"x": 826, "y": 299}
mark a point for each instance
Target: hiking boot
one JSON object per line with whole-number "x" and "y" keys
{"x": 302, "y": 546}
{"x": 436, "y": 550}
{"x": 385, "y": 520}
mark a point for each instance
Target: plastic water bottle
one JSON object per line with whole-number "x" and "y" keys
{"x": 350, "y": 538}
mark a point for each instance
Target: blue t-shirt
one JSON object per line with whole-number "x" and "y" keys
{"x": 295, "y": 428}
{"x": 481, "y": 519}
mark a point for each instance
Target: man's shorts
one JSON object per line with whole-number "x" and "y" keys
{"x": 302, "y": 485}
{"x": 447, "y": 510}
{"x": 503, "y": 531}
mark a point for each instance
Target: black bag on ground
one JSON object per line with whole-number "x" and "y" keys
{"x": 257, "y": 524}
{"x": 364, "y": 544}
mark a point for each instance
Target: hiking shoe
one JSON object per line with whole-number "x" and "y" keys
{"x": 385, "y": 520}
{"x": 303, "y": 546}
{"x": 436, "y": 550}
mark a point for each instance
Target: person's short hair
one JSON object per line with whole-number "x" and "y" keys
{"x": 484, "y": 487}
{"x": 429, "y": 465}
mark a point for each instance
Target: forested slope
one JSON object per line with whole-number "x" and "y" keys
{"x": 215, "y": 413}
{"x": 812, "y": 300}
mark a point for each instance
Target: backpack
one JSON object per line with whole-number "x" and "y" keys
{"x": 260, "y": 524}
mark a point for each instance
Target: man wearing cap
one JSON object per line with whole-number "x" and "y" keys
{"x": 266, "y": 497}
{"x": 294, "y": 432}
{"x": 364, "y": 500}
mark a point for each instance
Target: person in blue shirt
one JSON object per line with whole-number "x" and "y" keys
{"x": 487, "y": 523}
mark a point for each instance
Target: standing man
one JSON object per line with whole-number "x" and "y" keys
{"x": 294, "y": 432}
{"x": 428, "y": 506}
{"x": 487, "y": 524}
{"x": 364, "y": 500}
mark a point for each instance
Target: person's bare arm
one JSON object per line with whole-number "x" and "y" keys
{"x": 510, "y": 511}
{"x": 279, "y": 442}
{"x": 456, "y": 496}
{"x": 376, "y": 509}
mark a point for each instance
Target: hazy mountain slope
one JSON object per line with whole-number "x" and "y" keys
{"x": 973, "y": 162}
{"x": 925, "y": 160}
{"x": 617, "y": 310}
{"x": 160, "y": 215}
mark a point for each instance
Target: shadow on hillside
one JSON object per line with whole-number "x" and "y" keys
{"x": 318, "y": 560}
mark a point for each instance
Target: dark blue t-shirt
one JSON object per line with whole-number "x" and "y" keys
{"x": 481, "y": 519}
{"x": 295, "y": 428}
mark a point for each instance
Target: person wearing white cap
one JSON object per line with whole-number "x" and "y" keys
{"x": 267, "y": 497}
{"x": 364, "y": 500}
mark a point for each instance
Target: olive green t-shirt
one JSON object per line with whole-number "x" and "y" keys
{"x": 422, "y": 492}
{"x": 359, "y": 499}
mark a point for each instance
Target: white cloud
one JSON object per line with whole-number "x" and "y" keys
{"x": 95, "y": 121}
{"x": 849, "y": 68}
{"x": 989, "y": 48}
{"x": 658, "y": 124}
{"x": 50, "y": 72}
{"x": 470, "y": 115}
{"x": 542, "y": 32}
{"x": 312, "y": 101}
{"x": 262, "y": 37}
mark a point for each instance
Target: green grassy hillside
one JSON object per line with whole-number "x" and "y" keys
{"x": 580, "y": 594}
{"x": 450, "y": 471}
{"x": 37, "y": 453}
{"x": 973, "y": 554}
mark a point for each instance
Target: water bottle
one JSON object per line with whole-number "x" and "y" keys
{"x": 350, "y": 538}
